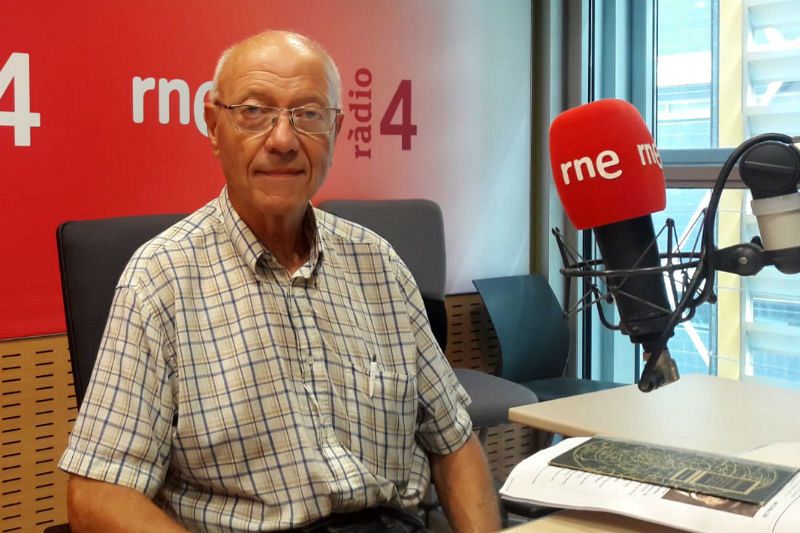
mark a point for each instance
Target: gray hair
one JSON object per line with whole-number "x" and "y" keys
{"x": 223, "y": 59}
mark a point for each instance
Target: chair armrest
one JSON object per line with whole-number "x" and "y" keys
{"x": 59, "y": 528}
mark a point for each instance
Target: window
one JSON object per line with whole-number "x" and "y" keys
{"x": 725, "y": 71}
{"x": 686, "y": 56}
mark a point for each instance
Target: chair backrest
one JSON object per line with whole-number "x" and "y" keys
{"x": 92, "y": 255}
{"x": 531, "y": 329}
{"x": 415, "y": 228}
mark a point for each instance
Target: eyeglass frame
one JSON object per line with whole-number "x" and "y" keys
{"x": 290, "y": 110}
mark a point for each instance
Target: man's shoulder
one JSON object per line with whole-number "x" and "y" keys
{"x": 341, "y": 231}
{"x": 175, "y": 245}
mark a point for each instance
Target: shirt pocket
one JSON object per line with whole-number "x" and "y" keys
{"x": 382, "y": 424}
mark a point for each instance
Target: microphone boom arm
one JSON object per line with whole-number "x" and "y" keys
{"x": 745, "y": 259}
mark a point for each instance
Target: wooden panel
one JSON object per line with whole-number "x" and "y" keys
{"x": 472, "y": 343}
{"x": 471, "y": 340}
{"x": 38, "y": 409}
{"x": 508, "y": 444}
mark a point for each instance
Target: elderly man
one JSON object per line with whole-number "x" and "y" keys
{"x": 267, "y": 366}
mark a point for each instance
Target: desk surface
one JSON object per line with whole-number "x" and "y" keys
{"x": 588, "y": 522}
{"x": 699, "y": 412}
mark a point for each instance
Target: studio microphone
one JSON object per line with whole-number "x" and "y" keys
{"x": 608, "y": 174}
{"x": 771, "y": 170}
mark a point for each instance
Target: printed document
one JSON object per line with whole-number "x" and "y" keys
{"x": 535, "y": 481}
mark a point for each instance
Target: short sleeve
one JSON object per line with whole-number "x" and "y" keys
{"x": 443, "y": 422}
{"x": 123, "y": 431}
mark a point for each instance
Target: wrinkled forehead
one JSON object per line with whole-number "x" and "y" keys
{"x": 282, "y": 57}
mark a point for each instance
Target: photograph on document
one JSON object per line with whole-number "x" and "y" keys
{"x": 712, "y": 502}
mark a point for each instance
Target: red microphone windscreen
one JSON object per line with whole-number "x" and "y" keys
{"x": 605, "y": 164}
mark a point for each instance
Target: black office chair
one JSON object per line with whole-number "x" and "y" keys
{"x": 92, "y": 254}
{"x": 533, "y": 336}
{"x": 415, "y": 228}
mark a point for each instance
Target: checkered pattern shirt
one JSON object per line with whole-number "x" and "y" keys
{"x": 241, "y": 398}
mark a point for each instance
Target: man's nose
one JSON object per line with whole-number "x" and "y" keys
{"x": 282, "y": 137}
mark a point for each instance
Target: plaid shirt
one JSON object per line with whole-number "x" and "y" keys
{"x": 241, "y": 398}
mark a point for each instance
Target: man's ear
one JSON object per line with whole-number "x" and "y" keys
{"x": 337, "y": 129}
{"x": 211, "y": 115}
{"x": 339, "y": 120}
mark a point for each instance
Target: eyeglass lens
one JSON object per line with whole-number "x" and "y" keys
{"x": 306, "y": 119}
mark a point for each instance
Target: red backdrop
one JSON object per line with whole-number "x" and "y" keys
{"x": 97, "y": 148}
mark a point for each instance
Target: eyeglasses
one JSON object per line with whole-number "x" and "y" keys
{"x": 262, "y": 118}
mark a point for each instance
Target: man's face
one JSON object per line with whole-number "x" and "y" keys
{"x": 277, "y": 172}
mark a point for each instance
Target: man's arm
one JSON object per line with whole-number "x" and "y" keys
{"x": 465, "y": 489}
{"x": 97, "y": 506}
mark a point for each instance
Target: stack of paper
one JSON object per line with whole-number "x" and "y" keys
{"x": 535, "y": 481}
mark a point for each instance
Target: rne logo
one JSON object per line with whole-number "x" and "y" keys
{"x": 606, "y": 164}
{"x": 165, "y": 89}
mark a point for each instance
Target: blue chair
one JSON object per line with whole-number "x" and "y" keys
{"x": 533, "y": 335}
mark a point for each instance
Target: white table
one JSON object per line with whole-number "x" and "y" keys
{"x": 699, "y": 412}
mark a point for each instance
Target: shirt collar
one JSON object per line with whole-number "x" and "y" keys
{"x": 254, "y": 254}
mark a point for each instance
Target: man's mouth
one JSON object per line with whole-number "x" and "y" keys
{"x": 279, "y": 172}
